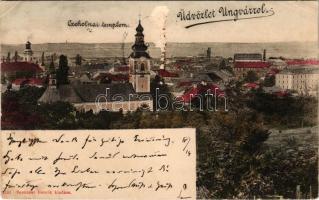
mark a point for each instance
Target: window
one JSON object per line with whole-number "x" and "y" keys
{"x": 142, "y": 67}
{"x": 135, "y": 65}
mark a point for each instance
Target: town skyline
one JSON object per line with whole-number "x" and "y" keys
{"x": 48, "y": 27}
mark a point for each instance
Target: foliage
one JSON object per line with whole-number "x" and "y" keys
{"x": 16, "y": 56}
{"x": 233, "y": 160}
{"x": 42, "y": 59}
{"x": 51, "y": 66}
{"x": 269, "y": 81}
{"x": 78, "y": 60}
{"x": 158, "y": 89}
{"x": 63, "y": 71}
{"x": 251, "y": 76}
{"x": 285, "y": 111}
{"x": 18, "y": 108}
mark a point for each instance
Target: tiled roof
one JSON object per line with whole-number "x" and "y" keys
{"x": 303, "y": 62}
{"x": 36, "y": 81}
{"x": 30, "y": 81}
{"x": 200, "y": 89}
{"x": 19, "y": 81}
{"x": 20, "y": 66}
{"x": 300, "y": 71}
{"x": 251, "y": 85}
{"x": 90, "y": 92}
{"x": 122, "y": 68}
{"x": 165, "y": 73}
{"x": 252, "y": 64}
{"x": 115, "y": 92}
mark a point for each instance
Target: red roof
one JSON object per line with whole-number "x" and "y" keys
{"x": 31, "y": 81}
{"x": 119, "y": 77}
{"x": 302, "y": 62}
{"x": 257, "y": 64}
{"x": 20, "y": 66}
{"x": 36, "y": 81}
{"x": 165, "y": 73}
{"x": 200, "y": 89}
{"x": 123, "y": 68}
{"x": 281, "y": 93}
{"x": 251, "y": 85}
{"x": 272, "y": 72}
{"x": 19, "y": 81}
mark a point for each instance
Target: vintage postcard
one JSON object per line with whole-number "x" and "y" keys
{"x": 159, "y": 99}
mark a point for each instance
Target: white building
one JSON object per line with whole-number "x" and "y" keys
{"x": 304, "y": 81}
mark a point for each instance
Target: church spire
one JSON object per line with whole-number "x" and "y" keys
{"x": 139, "y": 47}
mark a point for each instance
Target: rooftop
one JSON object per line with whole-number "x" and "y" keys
{"x": 80, "y": 93}
{"x": 300, "y": 71}
{"x": 20, "y": 66}
{"x": 258, "y": 64}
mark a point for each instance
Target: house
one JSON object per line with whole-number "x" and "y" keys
{"x": 242, "y": 67}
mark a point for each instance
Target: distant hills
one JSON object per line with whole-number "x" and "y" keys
{"x": 98, "y": 50}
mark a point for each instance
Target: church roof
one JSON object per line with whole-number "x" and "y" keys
{"x": 20, "y": 66}
{"x": 62, "y": 93}
{"x": 139, "y": 47}
{"x": 90, "y": 92}
{"x": 50, "y": 95}
{"x": 68, "y": 93}
{"x": 139, "y": 27}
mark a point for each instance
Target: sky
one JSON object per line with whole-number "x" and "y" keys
{"x": 45, "y": 21}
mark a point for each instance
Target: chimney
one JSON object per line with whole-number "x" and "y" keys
{"x": 163, "y": 57}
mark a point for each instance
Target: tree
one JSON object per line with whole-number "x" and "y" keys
{"x": 51, "y": 67}
{"x": 269, "y": 81}
{"x": 222, "y": 64}
{"x": 15, "y": 56}
{"x": 251, "y": 76}
{"x": 42, "y": 59}
{"x": 8, "y": 57}
{"x": 78, "y": 60}
{"x": 63, "y": 71}
{"x": 158, "y": 87}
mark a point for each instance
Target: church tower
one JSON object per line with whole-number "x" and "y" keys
{"x": 139, "y": 63}
{"x": 28, "y": 52}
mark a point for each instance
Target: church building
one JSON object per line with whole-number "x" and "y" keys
{"x": 127, "y": 96}
{"x": 139, "y": 63}
{"x": 28, "y": 53}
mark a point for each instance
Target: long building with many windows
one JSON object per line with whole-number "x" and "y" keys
{"x": 304, "y": 81}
